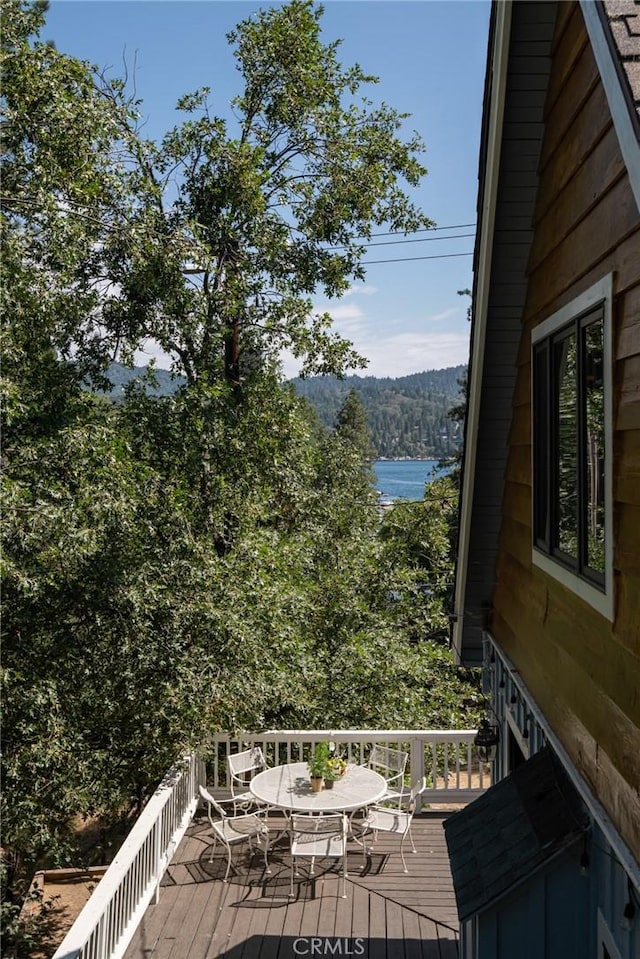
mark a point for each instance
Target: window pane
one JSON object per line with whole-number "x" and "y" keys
{"x": 541, "y": 446}
{"x": 566, "y": 444}
{"x": 594, "y": 438}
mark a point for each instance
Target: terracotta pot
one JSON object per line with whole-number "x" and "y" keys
{"x": 317, "y": 782}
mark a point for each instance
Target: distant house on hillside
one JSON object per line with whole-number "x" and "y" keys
{"x": 547, "y": 862}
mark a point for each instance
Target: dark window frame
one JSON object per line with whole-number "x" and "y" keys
{"x": 547, "y": 449}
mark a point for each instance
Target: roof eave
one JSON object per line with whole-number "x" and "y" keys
{"x": 490, "y": 164}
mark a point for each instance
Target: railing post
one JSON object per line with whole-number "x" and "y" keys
{"x": 158, "y": 856}
{"x": 417, "y": 768}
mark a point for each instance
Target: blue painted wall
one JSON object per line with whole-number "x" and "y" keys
{"x": 545, "y": 918}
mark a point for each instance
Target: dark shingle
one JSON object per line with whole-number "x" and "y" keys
{"x": 624, "y": 22}
{"x": 511, "y": 830}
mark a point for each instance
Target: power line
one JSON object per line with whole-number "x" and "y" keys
{"x": 31, "y": 202}
{"x": 409, "y": 259}
{"x": 426, "y": 229}
{"x": 422, "y": 239}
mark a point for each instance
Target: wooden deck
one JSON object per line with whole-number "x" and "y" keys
{"x": 387, "y": 914}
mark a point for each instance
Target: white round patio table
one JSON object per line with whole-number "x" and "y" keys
{"x": 288, "y": 787}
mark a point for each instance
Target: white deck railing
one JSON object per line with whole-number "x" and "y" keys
{"x": 105, "y": 926}
{"x": 444, "y": 761}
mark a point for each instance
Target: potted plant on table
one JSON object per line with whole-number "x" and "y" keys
{"x": 336, "y": 768}
{"x": 318, "y": 766}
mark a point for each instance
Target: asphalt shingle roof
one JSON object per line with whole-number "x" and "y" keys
{"x": 624, "y": 24}
{"x": 512, "y": 830}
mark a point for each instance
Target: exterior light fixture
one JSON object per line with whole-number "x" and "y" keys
{"x": 486, "y": 740}
{"x": 628, "y": 916}
{"x": 585, "y": 862}
{"x": 585, "y": 859}
{"x": 629, "y": 911}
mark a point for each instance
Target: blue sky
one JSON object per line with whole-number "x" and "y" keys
{"x": 430, "y": 57}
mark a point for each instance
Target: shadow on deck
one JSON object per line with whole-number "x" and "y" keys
{"x": 387, "y": 914}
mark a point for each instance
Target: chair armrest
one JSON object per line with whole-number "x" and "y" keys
{"x": 227, "y": 802}
{"x": 252, "y": 823}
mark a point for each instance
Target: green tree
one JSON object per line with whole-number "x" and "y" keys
{"x": 352, "y": 426}
{"x": 269, "y": 210}
{"x": 419, "y": 540}
{"x": 210, "y": 560}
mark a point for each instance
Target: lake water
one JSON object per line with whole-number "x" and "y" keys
{"x": 404, "y": 478}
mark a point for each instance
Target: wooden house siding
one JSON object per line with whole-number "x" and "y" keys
{"x": 583, "y": 670}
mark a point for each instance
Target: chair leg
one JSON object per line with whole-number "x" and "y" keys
{"x": 413, "y": 845}
{"x": 226, "y": 875}
{"x": 267, "y": 867}
{"x": 293, "y": 866}
{"x": 404, "y": 865}
{"x": 364, "y": 847}
{"x": 213, "y": 848}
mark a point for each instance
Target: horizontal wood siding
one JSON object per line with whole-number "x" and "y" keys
{"x": 583, "y": 671}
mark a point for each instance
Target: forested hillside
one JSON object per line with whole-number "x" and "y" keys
{"x": 407, "y": 415}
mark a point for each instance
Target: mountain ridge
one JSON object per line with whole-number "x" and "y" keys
{"x": 408, "y": 415}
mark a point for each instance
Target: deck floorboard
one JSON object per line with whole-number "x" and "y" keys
{"x": 388, "y": 914}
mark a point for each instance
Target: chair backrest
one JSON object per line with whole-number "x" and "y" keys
{"x": 328, "y": 822}
{"x": 242, "y": 765}
{"x": 310, "y": 828}
{"x": 211, "y": 803}
{"x": 390, "y": 762}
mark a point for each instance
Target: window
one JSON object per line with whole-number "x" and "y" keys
{"x": 571, "y": 405}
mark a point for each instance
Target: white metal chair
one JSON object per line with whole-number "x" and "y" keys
{"x": 391, "y": 764}
{"x": 319, "y": 837}
{"x": 231, "y": 830}
{"x": 241, "y": 768}
{"x": 390, "y": 819}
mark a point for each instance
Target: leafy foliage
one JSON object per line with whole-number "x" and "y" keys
{"x": 406, "y": 415}
{"x": 211, "y": 559}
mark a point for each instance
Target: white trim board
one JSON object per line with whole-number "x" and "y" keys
{"x": 607, "y": 67}
{"x": 599, "y": 292}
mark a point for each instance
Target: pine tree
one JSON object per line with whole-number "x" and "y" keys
{"x": 352, "y": 425}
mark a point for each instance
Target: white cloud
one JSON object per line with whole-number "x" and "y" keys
{"x": 390, "y": 353}
{"x": 150, "y": 349}
{"x": 343, "y": 312}
{"x": 290, "y": 365}
{"x": 364, "y": 289}
{"x": 403, "y": 353}
{"x": 408, "y": 353}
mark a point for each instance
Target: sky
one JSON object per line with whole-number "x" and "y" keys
{"x": 430, "y": 58}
